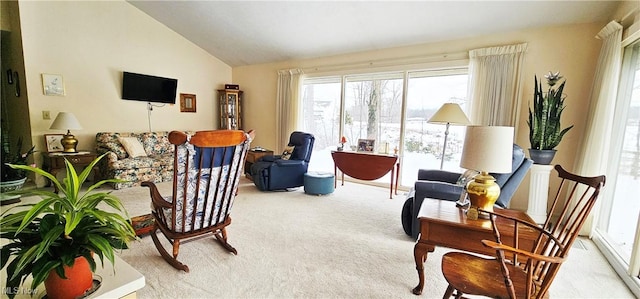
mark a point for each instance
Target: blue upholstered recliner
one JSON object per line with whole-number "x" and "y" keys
{"x": 275, "y": 173}
{"x": 443, "y": 185}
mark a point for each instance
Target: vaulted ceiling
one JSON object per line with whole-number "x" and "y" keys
{"x": 255, "y": 32}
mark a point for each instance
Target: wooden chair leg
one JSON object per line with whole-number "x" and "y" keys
{"x": 170, "y": 259}
{"x": 448, "y": 293}
{"x": 222, "y": 239}
{"x": 176, "y": 248}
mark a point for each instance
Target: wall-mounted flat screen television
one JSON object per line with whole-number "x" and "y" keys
{"x": 139, "y": 87}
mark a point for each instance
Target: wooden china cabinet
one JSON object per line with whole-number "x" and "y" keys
{"x": 230, "y": 101}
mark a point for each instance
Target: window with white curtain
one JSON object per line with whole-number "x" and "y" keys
{"x": 370, "y": 106}
{"x": 618, "y": 228}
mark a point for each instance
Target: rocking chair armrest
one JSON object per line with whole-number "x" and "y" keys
{"x": 498, "y": 246}
{"x": 156, "y": 198}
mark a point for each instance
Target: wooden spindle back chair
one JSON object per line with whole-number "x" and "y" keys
{"x": 207, "y": 170}
{"x": 526, "y": 272}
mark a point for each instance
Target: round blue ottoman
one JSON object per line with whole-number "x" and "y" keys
{"x": 317, "y": 183}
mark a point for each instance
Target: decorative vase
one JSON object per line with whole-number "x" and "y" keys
{"x": 542, "y": 157}
{"x": 79, "y": 280}
{"x": 9, "y": 186}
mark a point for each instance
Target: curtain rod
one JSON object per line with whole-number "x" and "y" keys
{"x": 421, "y": 59}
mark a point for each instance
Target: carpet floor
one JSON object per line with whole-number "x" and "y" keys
{"x": 349, "y": 244}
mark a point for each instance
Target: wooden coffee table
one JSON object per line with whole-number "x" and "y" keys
{"x": 444, "y": 224}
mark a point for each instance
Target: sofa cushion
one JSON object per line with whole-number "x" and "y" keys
{"x": 156, "y": 143}
{"x": 109, "y": 141}
{"x": 133, "y": 146}
{"x": 158, "y": 161}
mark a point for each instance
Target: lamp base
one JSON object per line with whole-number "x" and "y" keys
{"x": 483, "y": 193}
{"x": 69, "y": 143}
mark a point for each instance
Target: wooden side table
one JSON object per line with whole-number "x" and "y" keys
{"x": 54, "y": 162}
{"x": 253, "y": 156}
{"x": 445, "y": 225}
{"x": 365, "y": 166}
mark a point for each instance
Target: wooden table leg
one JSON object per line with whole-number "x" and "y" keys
{"x": 397, "y": 175}
{"x": 391, "y": 185}
{"x": 335, "y": 176}
{"x": 54, "y": 173}
{"x": 420, "y": 255}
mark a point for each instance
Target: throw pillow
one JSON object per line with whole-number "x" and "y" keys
{"x": 133, "y": 146}
{"x": 286, "y": 154}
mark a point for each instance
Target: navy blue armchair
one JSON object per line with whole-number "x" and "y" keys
{"x": 440, "y": 184}
{"x": 276, "y": 173}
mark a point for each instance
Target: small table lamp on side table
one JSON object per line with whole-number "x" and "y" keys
{"x": 486, "y": 149}
{"x": 67, "y": 121}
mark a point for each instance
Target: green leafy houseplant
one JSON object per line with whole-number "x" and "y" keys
{"x": 53, "y": 232}
{"x": 545, "y": 132}
{"x": 18, "y": 158}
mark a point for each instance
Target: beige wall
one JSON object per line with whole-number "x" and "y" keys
{"x": 90, "y": 44}
{"x": 572, "y": 50}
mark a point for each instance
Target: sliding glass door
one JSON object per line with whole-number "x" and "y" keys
{"x": 424, "y": 141}
{"x": 617, "y": 233}
{"x": 370, "y": 106}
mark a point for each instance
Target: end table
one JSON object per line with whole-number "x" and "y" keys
{"x": 54, "y": 162}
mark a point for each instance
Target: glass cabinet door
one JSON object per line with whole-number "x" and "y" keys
{"x": 230, "y": 110}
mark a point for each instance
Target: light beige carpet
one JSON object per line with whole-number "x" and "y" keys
{"x": 349, "y": 244}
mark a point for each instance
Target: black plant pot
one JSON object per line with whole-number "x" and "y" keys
{"x": 543, "y": 157}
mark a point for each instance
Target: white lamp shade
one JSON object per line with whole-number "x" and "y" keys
{"x": 488, "y": 148}
{"x": 65, "y": 121}
{"x": 450, "y": 113}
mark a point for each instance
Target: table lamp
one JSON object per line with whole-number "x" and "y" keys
{"x": 67, "y": 121}
{"x": 449, "y": 114}
{"x": 486, "y": 149}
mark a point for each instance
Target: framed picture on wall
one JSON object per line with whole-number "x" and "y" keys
{"x": 53, "y": 142}
{"x": 187, "y": 102}
{"x": 52, "y": 85}
{"x": 366, "y": 145}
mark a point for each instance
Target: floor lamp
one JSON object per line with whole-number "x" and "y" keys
{"x": 449, "y": 114}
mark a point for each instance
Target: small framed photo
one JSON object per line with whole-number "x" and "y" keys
{"x": 52, "y": 85}
{"x": 187, "y": 102}
{"x": 53, "y": 142}
{"x": 366, "y": 145}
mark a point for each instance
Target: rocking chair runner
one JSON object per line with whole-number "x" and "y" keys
{"x": 526, "y": 272}
{"x": 207, "y": 169}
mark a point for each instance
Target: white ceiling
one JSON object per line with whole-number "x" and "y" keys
{"x": 254, "y": 32}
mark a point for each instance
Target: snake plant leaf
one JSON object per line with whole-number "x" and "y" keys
{"x": 545, "y": 131}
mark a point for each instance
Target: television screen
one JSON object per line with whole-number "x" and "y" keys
{"x": 139, "y": 87}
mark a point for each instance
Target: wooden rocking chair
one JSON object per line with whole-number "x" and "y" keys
{"x": 525, "y": 272}
{"x": 207, "y": 169}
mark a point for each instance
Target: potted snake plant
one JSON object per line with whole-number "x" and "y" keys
{"x": 62, "y": 232}
{"x": 545, "y": 131}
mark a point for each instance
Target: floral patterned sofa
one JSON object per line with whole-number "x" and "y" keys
{"x": 155, "y": 166}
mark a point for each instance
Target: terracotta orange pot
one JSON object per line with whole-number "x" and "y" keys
{"x": 79, "y": 280}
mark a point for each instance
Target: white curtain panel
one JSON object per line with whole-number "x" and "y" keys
{"x": 594, "y": 150}
{"x": 288, "y": 105}
{"x": 495, "y": 84}
{"x": 594, "y": 153}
